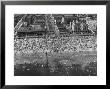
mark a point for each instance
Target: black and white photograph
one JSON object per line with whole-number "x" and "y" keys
{"x": 55, "y": 44}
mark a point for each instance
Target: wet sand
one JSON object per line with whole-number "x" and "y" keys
{"x": 56, "y": 64}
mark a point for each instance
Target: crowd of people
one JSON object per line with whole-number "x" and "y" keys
{"x": 62, "y": 44}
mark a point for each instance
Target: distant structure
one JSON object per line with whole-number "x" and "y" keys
{"x": 32, "y": 25}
